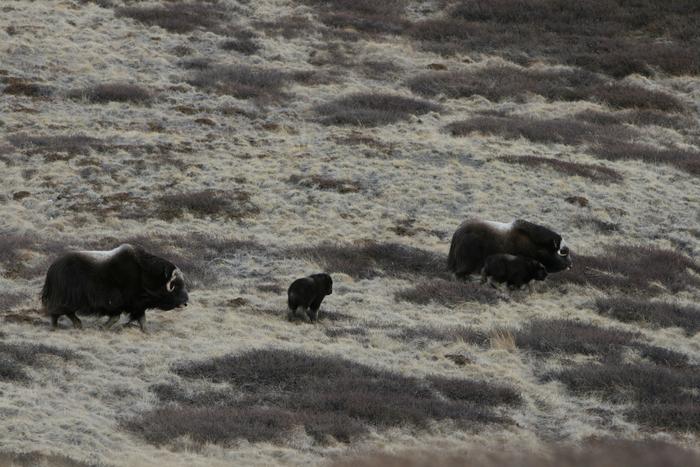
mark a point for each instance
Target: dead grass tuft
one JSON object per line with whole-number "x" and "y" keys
{"x": 447, "y": 293}
{"x": 24, "y": 87}
{"x": 331, "y": 398}
{"x": 372, "y": 109}
{"x": 113, "y": 92}
{"x": 597, "y": 173}
{"x": 653, "y": 313}
{"x": 66, "y": 144}
{"x": 370, "y": 259}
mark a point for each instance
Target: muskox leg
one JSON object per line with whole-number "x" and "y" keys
{"x": 291, "y": 313}
{"x": 110, "y": 322}
{"x": 142, "y": 323}
{"x": 77, "y": 324}
{"x": 313, "y": 314}
{"x": 54, "y": 322}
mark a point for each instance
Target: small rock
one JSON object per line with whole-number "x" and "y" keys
{"x": 460, "y": 359}
{"x": 20, "y": 195}
{"x": 237, "y": 302}
{"x": 437, "y": 66}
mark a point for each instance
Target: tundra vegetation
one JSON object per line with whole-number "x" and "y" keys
{"x": 251, "y": 143}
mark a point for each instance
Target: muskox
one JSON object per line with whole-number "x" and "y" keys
{"x": 127, "y": 279}
{"x": 515, "y": 271}
{"x": 475, "y": 240}
{"x": 308, "y": 293}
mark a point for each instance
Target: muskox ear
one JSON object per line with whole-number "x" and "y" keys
{"x": 538, "y": 234}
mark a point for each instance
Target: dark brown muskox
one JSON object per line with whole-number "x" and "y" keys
{"x": 515, "y": 271}
{"x": 308, "y": 292}
{"x": 124, "y": 280}
{"x": 475, "y": 240}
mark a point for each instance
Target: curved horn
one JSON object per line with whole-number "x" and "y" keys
{"x": 170, "y": 286}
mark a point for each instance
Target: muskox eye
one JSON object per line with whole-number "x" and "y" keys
{"x": 564, "y": 251}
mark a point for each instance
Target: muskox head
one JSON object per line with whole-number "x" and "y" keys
{"x": 542, "y": 244}
{"x": 325, "y": 283}
{"x": 163, "y": 282}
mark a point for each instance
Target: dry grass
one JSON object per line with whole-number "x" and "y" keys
{"x": 331, "y": 398}
{"x": 71, "y": 145}
{"x": 25, "y": 87}
{"x": 372, "y": 109}
{"x": 633, "y": 269}
{"x": 113, "y": 92}
{"x": 600, "y": 226}
{"x": 447, "y": 293}
{"x": 39, "y": 459}
{"x": 593, "y": 172}
{"x": 653, "y": 313}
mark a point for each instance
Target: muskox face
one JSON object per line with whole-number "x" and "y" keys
{"x": 545, "y": 245}
{"x": 173, "y": 293}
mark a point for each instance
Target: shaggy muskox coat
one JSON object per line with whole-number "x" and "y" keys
{"x": 308, "y": 293}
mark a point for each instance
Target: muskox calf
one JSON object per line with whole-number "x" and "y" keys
{"x": 308, "y": 293}
{"x": 108, "y": 283}
{"x": 475, "y": 240}
{"x": 515, "y": 271}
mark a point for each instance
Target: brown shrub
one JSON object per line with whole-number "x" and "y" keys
{"x": 113, "y": 92}
{"x": 683, "y": 159}
{"x": 590, "y": 453}
{"x": 572, "y": 337}
{"x": 447, "y": 293}
{"x": 289, "y": 27}
{"x": 369, "y": 259}
{"x": 341, "y": 185}
{"x": 560, "y": 130}
{"x": 656, "y": 314}
{"x": 69, "y": 144}
{"x": 206, "y": 203}
{"x": 663, "y": 357}
{"x": 665, "y": 398}
{"x": 363, "y": 15}
{"x": 243, "y": 82}
{"x": 242, "y": 42}
{"x": 15, "y": 357}
{"x": 616, "y": 37}
{"x": 178, "y": 17}
{"x": 36, "y": 459}
{"x": 501, "y": 82}
{"x": 330, "y": 397}
{"x": 23, "y": 87}
{"x": 372, "y": 109}
{"x": 597, "y": 173}
{"x": 633, "y": 269}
